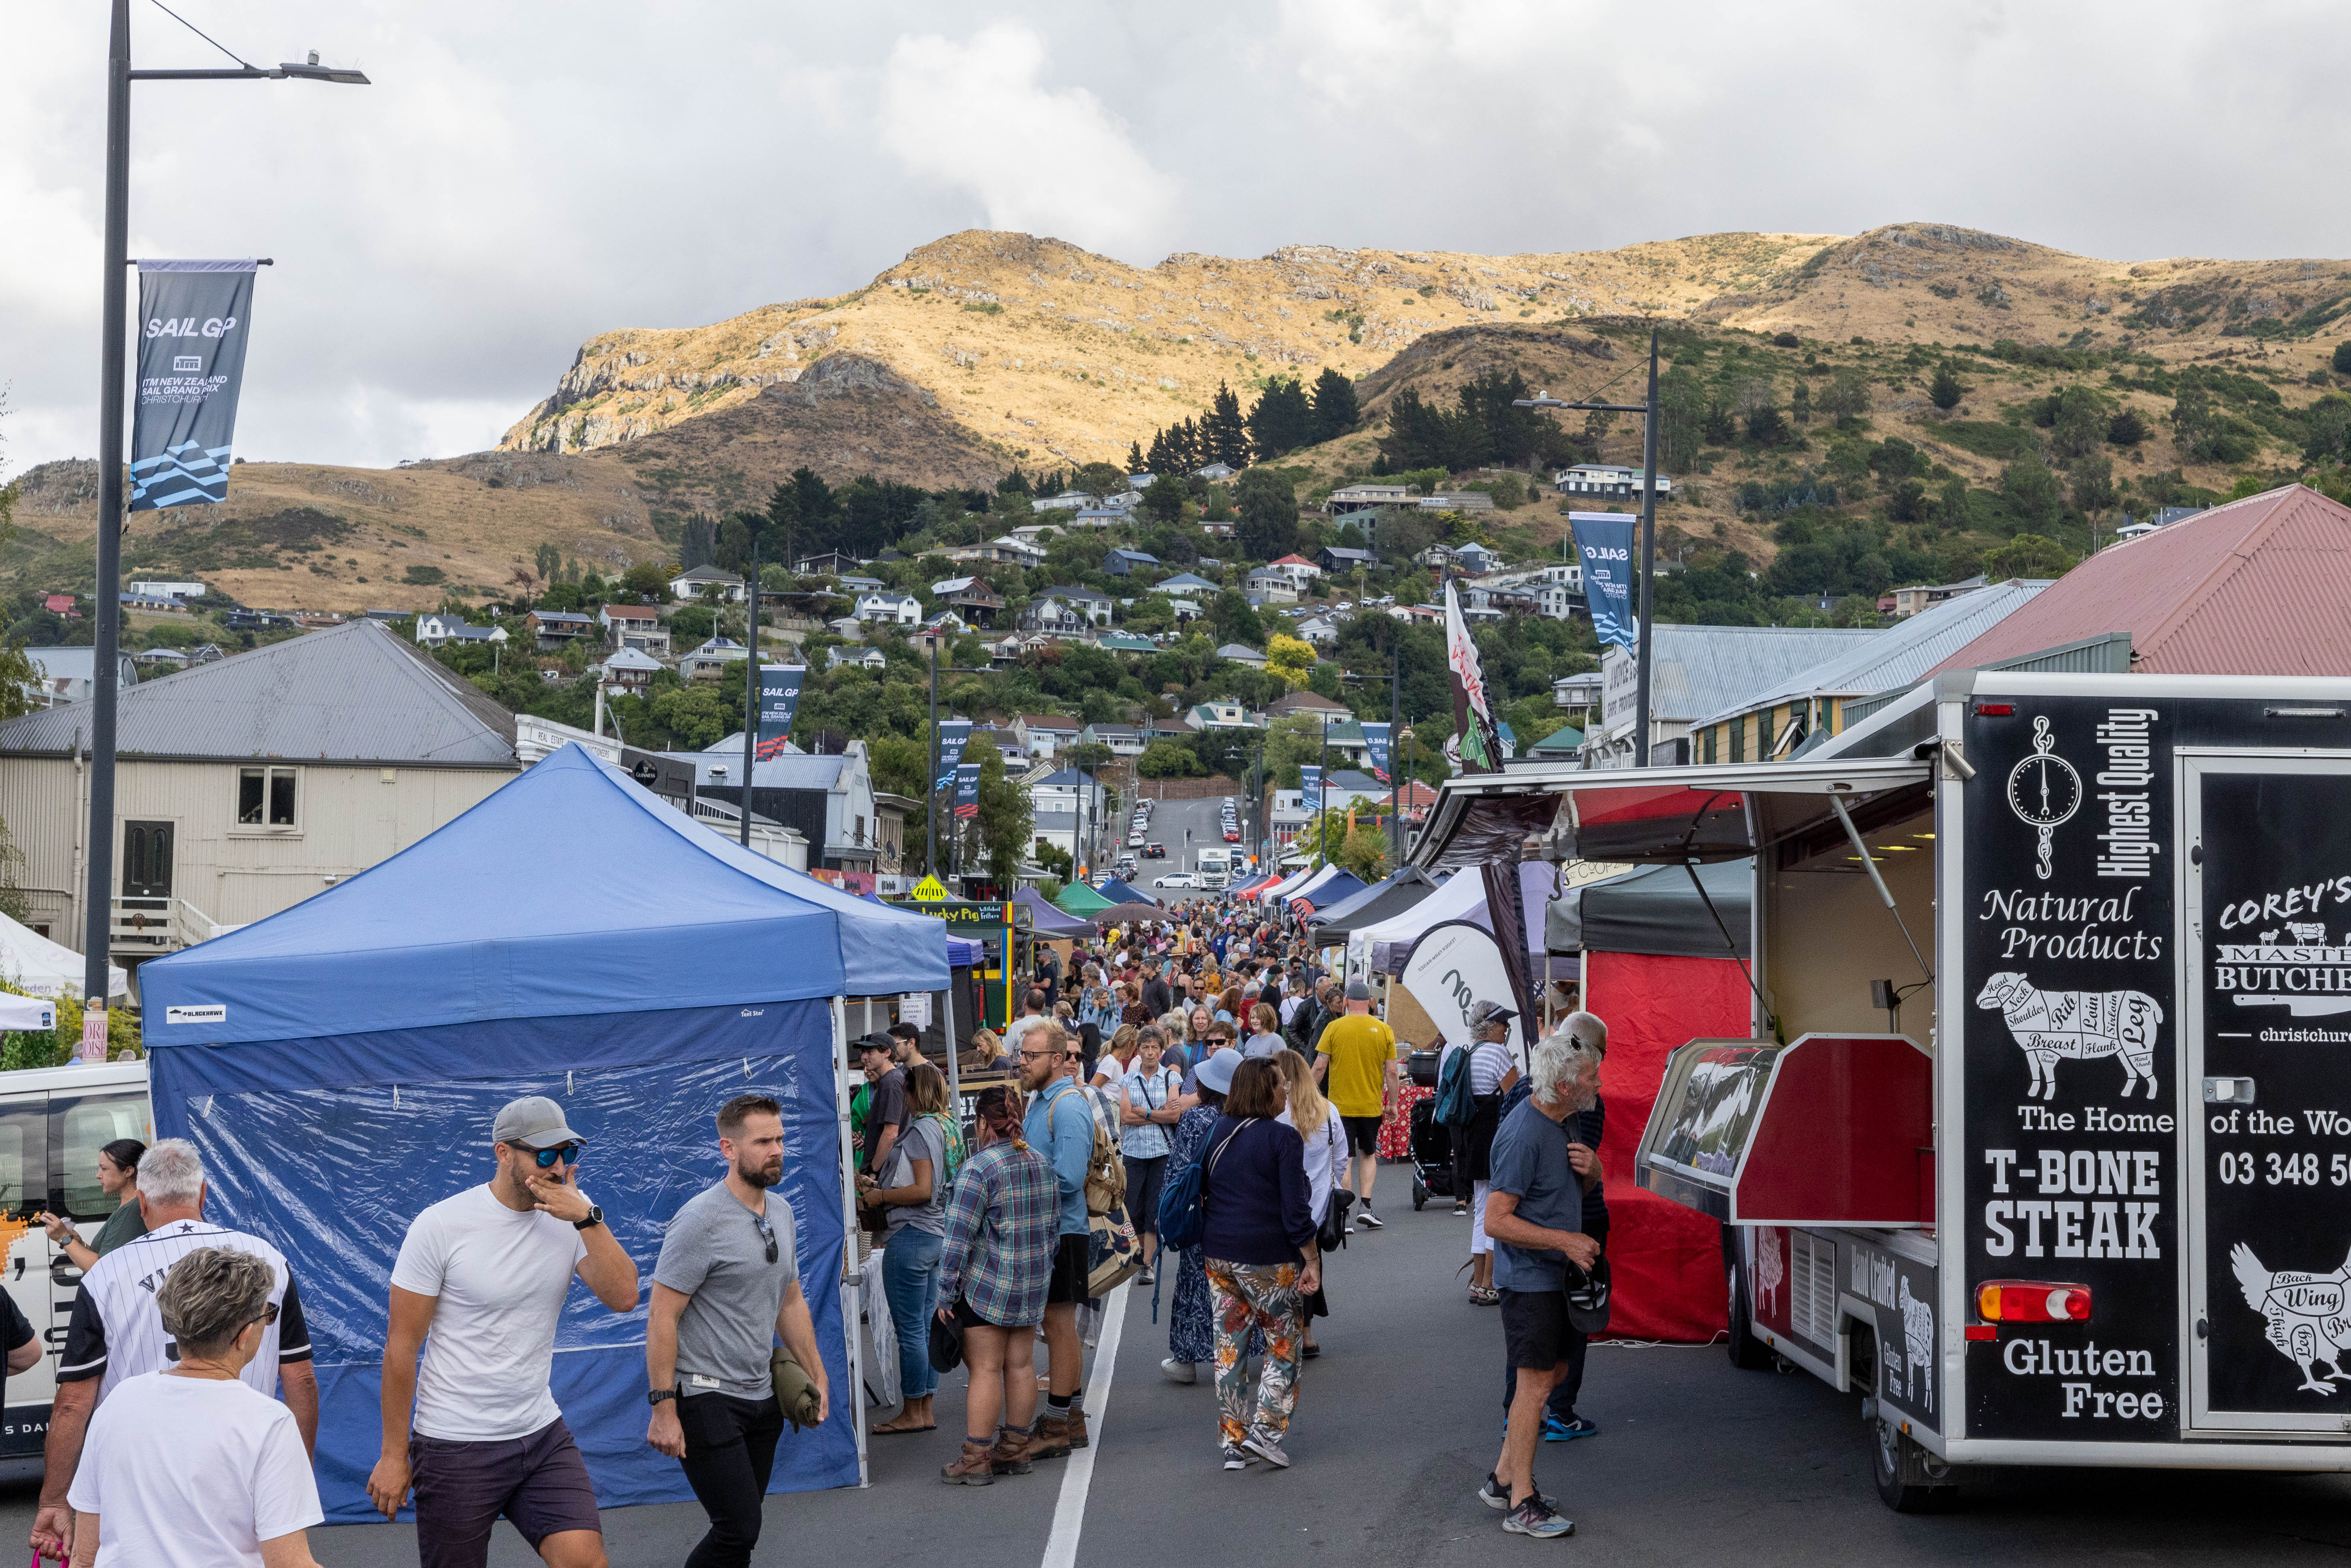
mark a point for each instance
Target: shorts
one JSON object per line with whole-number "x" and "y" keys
{"x": 1535, "y": 1330}
{"x": 1362, "y": 1134}
{"x": 538, "y": 1481}
{"x": 1072, "y": 1267}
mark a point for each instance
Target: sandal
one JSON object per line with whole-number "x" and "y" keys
{"x": 899, "y": 1431}
{"x": 1485, "y": 1295}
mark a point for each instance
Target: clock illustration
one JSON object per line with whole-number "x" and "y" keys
{"x": 2043, "y": 791}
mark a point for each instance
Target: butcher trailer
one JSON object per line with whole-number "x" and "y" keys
{"x": 2041, "y": 1140}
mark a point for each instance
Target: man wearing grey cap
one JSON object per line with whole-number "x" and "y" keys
{"x": 486, "y": 1274}
{"x": 1355, "y": 1059}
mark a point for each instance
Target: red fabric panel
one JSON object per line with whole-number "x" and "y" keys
{"x": 1665, "y": 1261}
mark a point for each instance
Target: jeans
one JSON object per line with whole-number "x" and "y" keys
{"x": 910, "y": 1281}
{"x": 730, "y": 1452}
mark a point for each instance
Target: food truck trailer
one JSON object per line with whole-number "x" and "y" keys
{"x": 2041, "y": 1140}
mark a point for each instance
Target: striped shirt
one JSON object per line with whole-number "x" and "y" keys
{"x": 1000, "y": 1236}
{"x": 117, "y": 1329}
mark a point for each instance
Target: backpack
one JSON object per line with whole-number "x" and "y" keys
{"x": 951, "y": 1137}
{"x": 1105, "y": 1170}
{"x": 1182, "y": 1216}
{"x": 1455, "y": 1104}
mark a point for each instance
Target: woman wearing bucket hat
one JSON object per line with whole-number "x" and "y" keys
{"x": 1191, "y": 1320}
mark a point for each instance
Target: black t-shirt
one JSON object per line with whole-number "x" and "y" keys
{"x": 887, "y": 1108}
{"x": 13, "y": 1331}
{"x": 1157, "y": 996}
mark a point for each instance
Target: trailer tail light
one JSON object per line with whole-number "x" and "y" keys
{"x": 2030, "y": 1301}
{"x": 1994, "y": 710}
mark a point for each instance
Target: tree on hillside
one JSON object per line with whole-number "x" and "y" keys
{"x": 2094, "y": 485}
{"x": 648, "y": 580}
{"x": 1225, "y": 433}
{"x": 1234, "y": 620}
{"x": 1004, "y": 819}
{"x": 2078, "y": 423}
{"x": 2027, "y": 554}
{"x": 1335, "y": 409}
{"x": 1681, "y": 412}
{"x": 1291, "y": 658}
{"x": 1282, "y": 421}
{"x": 1134, "y": 464}
{"x": 1168, "y": 757}
{"x": 1269, "y": 509}
{"x": 549, "y": 561}
{"x": 1167, "y": 499}
{"x": 1101, "y": 479}
{"x": 699, "y": 544}
{"x": 1947, "y": 391}
{"x": 1846, "y": 397}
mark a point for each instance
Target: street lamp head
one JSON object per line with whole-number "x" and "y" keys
{"x": 313, "y": 71}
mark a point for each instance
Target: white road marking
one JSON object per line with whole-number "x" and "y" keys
{"x": 1077, "y": 1480}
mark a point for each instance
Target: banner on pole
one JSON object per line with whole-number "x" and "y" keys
{"x": 193, "y": 319}
{"x": 1477, "y": 741}
{"x": 966, "y": 799}
{"x": 1456, "y": 964}
{"x": 1604, "y": 543}
{"x": 953, "y": 735}
{"x": 1309, "y": 788}
{"x": 1375, "y": 742}
{"x": 780, "y": 699}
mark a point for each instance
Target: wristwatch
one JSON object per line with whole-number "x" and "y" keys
{"x": 658, "y": 1394}
{"x": 595, "y": 1218}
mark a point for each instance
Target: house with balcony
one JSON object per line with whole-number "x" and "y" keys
{"x": 1273, "y": 586}
{"x": 890, "y": 610}
{"x": 855, "y": 656}
{"x": 973, "y": 598}
{"x": 1045, "y": 735}
{"x": 1304, "y": 573}
{"x": 701, "y": 584}
{"x": 1124, "y": 740}
{"x": 1127, "y": 562}
{"x": 631, "y": 670}
{"x": 1605, "y": 482}
{"x": 708, "y": 662}
{"x": 637, "y": 626}
{"x": 558, "y": 628}
{"x": 245, "y": 785}
{"x": 1190, "y": 585}
{"x": 1349, "y": 498}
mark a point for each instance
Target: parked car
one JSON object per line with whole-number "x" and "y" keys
{"x": 1232, "y": 835}
{"x": 1154, "y": 853}
{"x": 1178, "y": 879}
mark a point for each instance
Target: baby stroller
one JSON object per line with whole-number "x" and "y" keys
{"x": 1432, "y": 1154}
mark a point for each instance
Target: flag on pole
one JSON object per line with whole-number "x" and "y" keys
{"x": 1375, "y": 743}
{"x": 1604, "y": 543}
{"x": 966, "y": 799}
{"x": 1479, "y": 742}
{"x": 954, "y": 733}
{"x": 780, "y": 699}
{"x": 193, "y": 319}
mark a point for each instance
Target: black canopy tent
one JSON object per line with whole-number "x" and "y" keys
{"x": 1656, "y": 909}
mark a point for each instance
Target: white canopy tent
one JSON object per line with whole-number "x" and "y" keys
{"x": 1286, "y": 887}
{"x": 26, "y": 1013}
{"x": 1459, "y": 897}
{"x": 44, "y": 967}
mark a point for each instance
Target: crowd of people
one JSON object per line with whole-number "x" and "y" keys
{"x": 1197, "y": 1098}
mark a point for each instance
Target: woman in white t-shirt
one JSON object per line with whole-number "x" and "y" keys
{"x": 1493, "y": 1073}
{"x": 1326, "y": 1153}
{"x": 189, "y": 1468}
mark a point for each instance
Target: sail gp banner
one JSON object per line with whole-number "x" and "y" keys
{"x": 1604, "y": 541}
{"x": 193, "y": 318}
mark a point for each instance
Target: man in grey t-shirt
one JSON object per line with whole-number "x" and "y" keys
{"x": 727, "y": 1288}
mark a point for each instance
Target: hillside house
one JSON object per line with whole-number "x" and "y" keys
{"x": 1908, "y": 602}
{"x": 1477, "y": 560}
{"x": 1215, "y": 471}
{"x": 1605, "y": 481}
{"x": 708, "y": 662}
{"x": 1319, "y": 630}
{"x": 1349, "y": 498}
{"x": 972, "y": 597}
{"x": 1297, "y": 568}
{"x": 161, "y": 588}
{"x": 1222, "y": 715}
{"x": 631, "y": 670}
{"x": 1456, "y": 501}
{"x": 1125, "y": 643}
{"x": 1242, "y": 654}
{"x": 1275, "y": 587}
{"x": 1184, "y": 583}
{"x": 1124, "y": 740}
{"x": 890, "y": 610}
{"x": 66, "y": 673}
{"x": 438, "y": 630}
{"x": 245, "y": 785}
{"x": 635, "y": 626}
{"x": 1054, "y": 617}
{"x": 1126, "y": 562}
{"x": 1339, "y": 558}
{"x": 697, "y": 584}
{"x": 853, "y": 657}
{"x": 558, "y": 628}
{"x": 1067, "y": 501}
{"x": 1045, "y": 734}
{"x": 1092, "y": 607}
{"x": 832, "y": 563}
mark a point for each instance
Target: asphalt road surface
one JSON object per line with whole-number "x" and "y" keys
{"x": 1397, "y": 1424}
{"x": 1169, "y": 822}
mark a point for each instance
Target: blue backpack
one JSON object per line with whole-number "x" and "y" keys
{"x": 1183, "y": 1217}
{"x": 1455, "y": 1104}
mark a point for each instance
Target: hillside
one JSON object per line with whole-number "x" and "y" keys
{"x": 984, "y": 349}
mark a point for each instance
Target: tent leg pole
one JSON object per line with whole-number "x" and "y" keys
{"x": 852, "y": 1276}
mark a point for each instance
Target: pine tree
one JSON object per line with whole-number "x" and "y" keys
{"x": 1225, "y": 433}
{"x": 1335, "y": 409}
{"x": 1946, "y": 391}
{"x": 1161, "y": 458}
{"x": 1282, "y": 422}
{"x": 1134, "y": 458}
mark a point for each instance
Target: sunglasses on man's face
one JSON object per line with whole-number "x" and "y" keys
{"x": 565, "y": 1154}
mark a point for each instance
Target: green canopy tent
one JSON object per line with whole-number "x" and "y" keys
{"x": 1080, "y": 900}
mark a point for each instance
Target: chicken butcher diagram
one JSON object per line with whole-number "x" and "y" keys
{"x": 2307, "y": 1324}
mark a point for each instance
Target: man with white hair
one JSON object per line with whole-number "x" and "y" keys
{"x": 117, "y": 1328}
{"x": 1534, "y": 1212}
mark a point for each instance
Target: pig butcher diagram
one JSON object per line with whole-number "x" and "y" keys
{"x": 2304, "y": 1312}
{"x": 1918, "y": 1344}
{"x": 2053, "y": 1026}
{"x": 1771, "y": 1270}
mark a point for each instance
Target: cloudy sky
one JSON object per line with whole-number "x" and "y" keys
{"x": 523, "y": 175}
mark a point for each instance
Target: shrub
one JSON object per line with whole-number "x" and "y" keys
{"x": 1785, "y": 341}
{"x": 2126, "y": 428}
{"x": 2343, "y": 358}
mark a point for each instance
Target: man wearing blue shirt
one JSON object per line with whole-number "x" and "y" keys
{"x": 1061, "y": 1126}
{"x": 1534, "y": 1213}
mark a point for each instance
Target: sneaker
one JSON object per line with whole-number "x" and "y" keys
{"x": 1266, "y": 1448}
{"x": 1142, "y": 1276}
{"x": 1176, "y": 1371}
{"x": 1537, "y": 1517}
{"x": 1556, "y": 1430}
{"x": 1371, "y": 1221}
{"x": 1235, "y": 1458}
{"x": 1495, "y": 1495}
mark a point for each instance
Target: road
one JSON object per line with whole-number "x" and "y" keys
{"x": 1169, "y": 822}
{"x": 1696, "y": 1462}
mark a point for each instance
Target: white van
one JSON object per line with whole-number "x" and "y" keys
{"x": 53, "y": 1122}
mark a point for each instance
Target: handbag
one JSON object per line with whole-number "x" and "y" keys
{"x": 1333, "y": 1235}
{"x": 947, "y": 1342}
{"x": 1114, "y": 1252}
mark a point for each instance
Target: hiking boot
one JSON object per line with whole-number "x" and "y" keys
{"x": 1011, "y": 1455}
{"x": 972, "y": 1469}
{"x": 1078, "y": 1438}
{"x": 1051, "y": 1439}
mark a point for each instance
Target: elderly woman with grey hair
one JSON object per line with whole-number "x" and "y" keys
{"x": 191, "y": 1465}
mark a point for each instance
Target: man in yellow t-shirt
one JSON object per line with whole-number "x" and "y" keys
{"x": 1355, "y": 1060}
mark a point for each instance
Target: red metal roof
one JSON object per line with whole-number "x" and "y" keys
{"x": 2257, "y": 587}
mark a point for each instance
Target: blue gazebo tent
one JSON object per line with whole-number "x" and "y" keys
{"x": 1046, "y": 921}
{"x": 1120, "y": 892}
{"x": 572, "y": 935}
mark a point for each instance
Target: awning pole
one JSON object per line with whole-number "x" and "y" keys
{"x": 1728, "y": 940}
{"x": 1869, "y": 864}
{"x": 852, "y": 1273}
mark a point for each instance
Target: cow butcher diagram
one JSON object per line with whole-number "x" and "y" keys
{"x": 2074, "y": 1025}
{"x": 2304, "y": 1312}
{"x": 1918, "y": 1345}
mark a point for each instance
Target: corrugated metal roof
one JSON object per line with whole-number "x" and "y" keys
{"x": 1712, "y": 669}
{"x": 1898, "y": 654}
{"x": 353, "y": 692}
{"x": 2255, "y": 588}
{"x": 793, "y": 770}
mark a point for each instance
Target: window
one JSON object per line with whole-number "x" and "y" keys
{"x": 1764, "y": 735}
{"x": 1738, "y": 740}
{"x": 84, "y": 1127}
{"x": 1710, "y": 745}
{"x": 265, "y": 796}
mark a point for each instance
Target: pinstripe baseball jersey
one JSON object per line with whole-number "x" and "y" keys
{"x": 117, "y": 1329}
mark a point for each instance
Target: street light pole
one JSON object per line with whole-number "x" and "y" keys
{"x": 1647, "y": 410}
{"x": 1396, "y": 699}
{"x": 97, "y": 916}
{"x": 750, "y": 685}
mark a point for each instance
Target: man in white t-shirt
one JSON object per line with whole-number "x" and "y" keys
{"x": 486, "y": 1273}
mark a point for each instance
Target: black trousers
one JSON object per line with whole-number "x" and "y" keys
{"x": 730, "y": 1453}
{"x": 1561, "y": 1402}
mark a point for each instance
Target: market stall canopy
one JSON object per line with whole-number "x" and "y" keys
{"x": 572, "y": 891}
{"x": 1046, "y": 921}
{"x": 1286, "y": 887}
{"x": 1131, "y": 915}
{"x": 1389, "y": 944}
{"x": 1383, "y": 902}
{"x": 1676, "y": 814}
{"x": 964, "y": 952}
{"x": 26, "y": 1012}
{"x": 1079, "y": 899}
{"x": 1332, "y": 885}
{"x": 1655, "y": 909}
{"x": 46, "y": 969}
{"x": 1121, "y": 891}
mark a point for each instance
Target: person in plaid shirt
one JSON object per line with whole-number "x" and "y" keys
{"x": 993, "y": 1271}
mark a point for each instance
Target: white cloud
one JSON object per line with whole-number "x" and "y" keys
{"x": 977, "y": 118}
